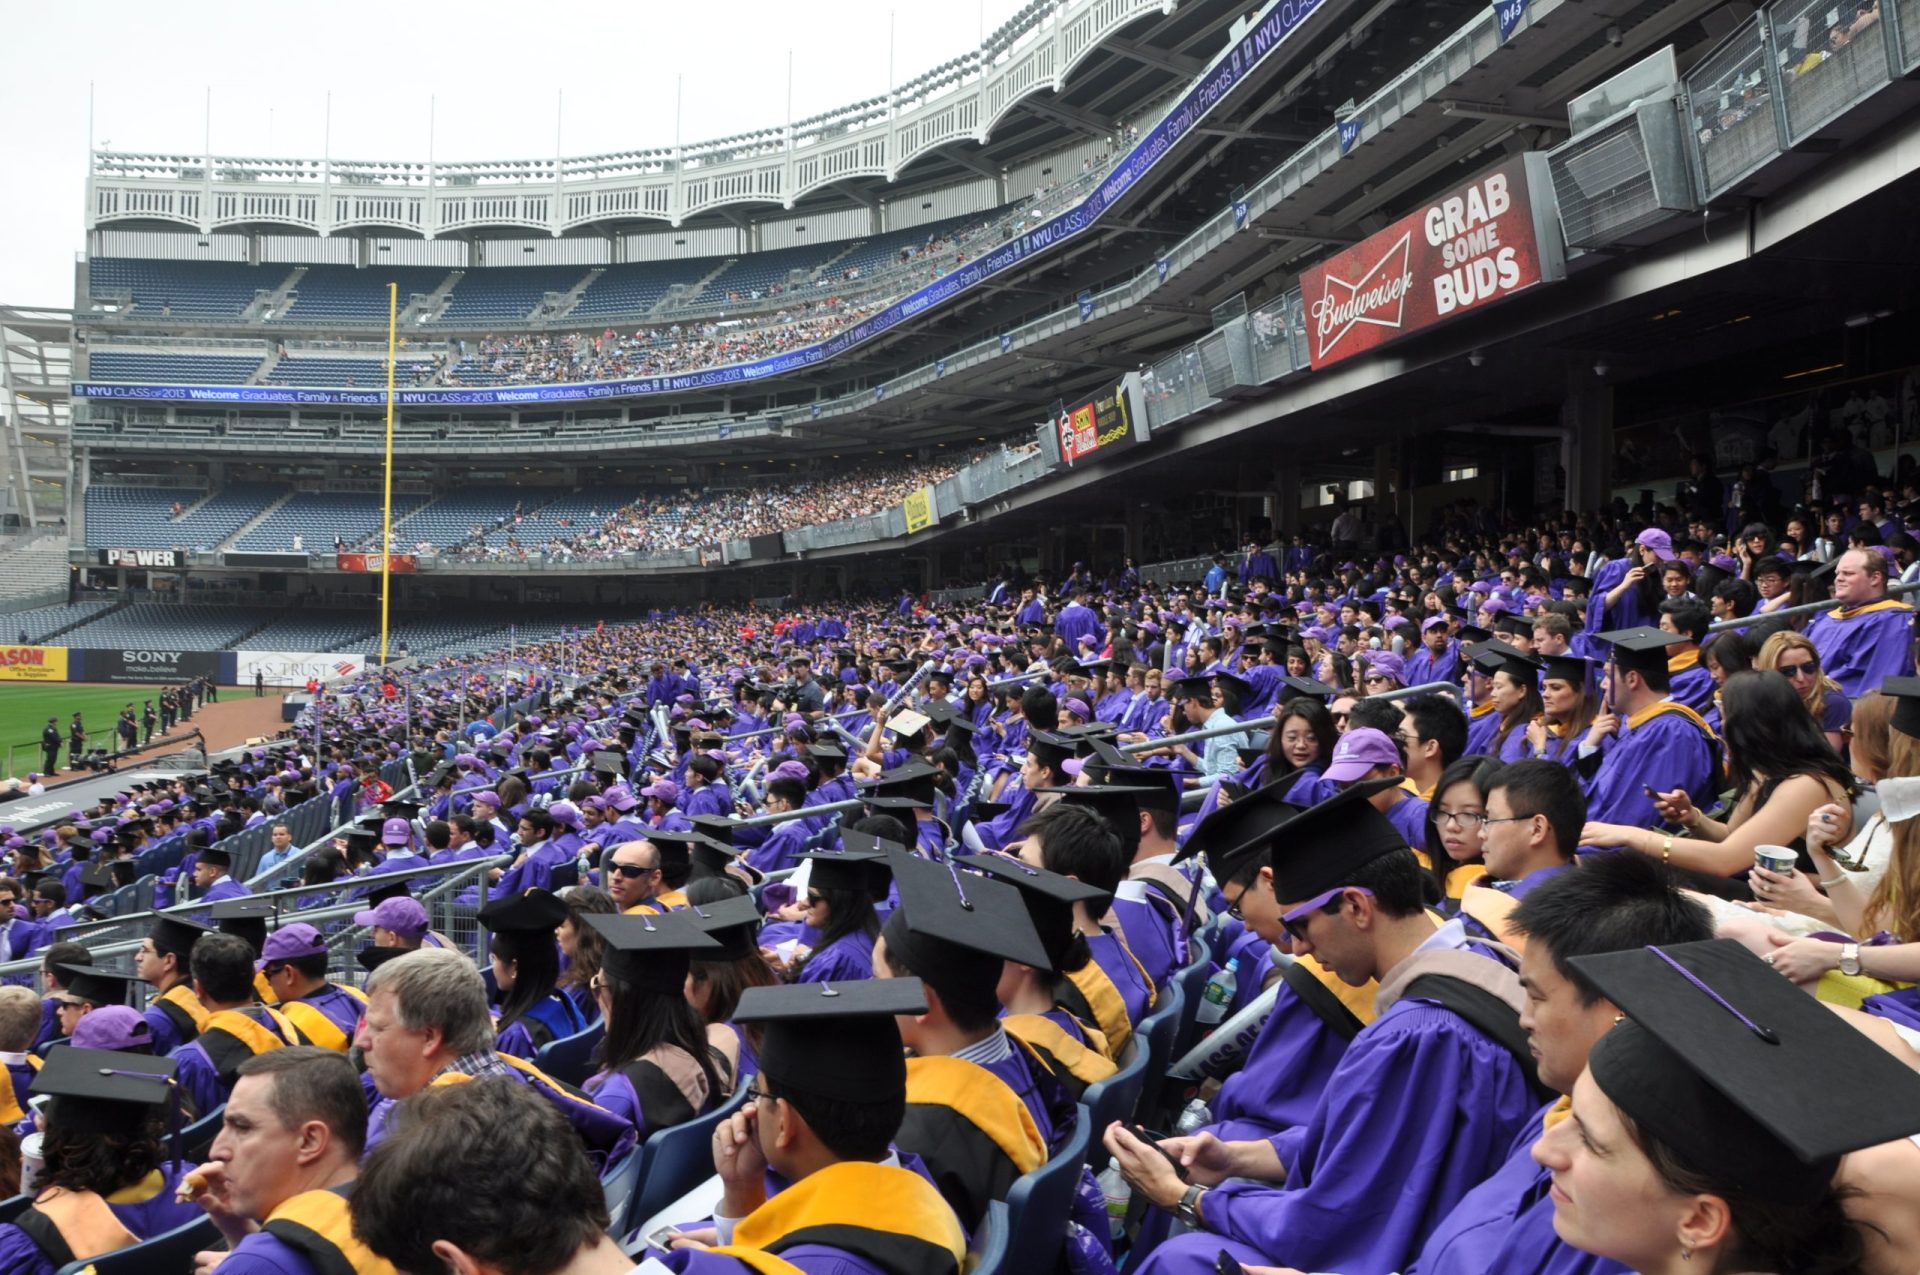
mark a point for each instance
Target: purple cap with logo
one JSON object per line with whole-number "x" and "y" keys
{"x": 1388, "y": 663}
{"x": 405, "y": 917}
{"x": 789, "y": 770}
{"x": 566, "y": 814}
{"x": 1359, "y": 751}
{"x": 1658, "y": 541}
{"x": 292, "y": 942}
{"x": 112, "y": 1027}
{"x": 621, "y": 798}
{"x": 396, "y": 832}
{"x": 487, "y": 798}
{"x": 663, "y": 789}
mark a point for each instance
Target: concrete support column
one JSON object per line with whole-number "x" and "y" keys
{"x": 1586, "y": 446}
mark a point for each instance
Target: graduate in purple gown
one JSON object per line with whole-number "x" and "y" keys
{"x": 656, "y": 1066}
{"x": 235, "y": 1028}
{"x": 1626, "y": 592}
{"x": 526, "y": 970}
{"x": 1615, "y": 903}
{"x": 105, "y": 1182}
{"x": 851, "y": 1208}
{"x": 839, "y": 902}
{"x": 1867, "y": 637}
{"x": 1365, "y": 1178}
{"x": 1661, "y": 745}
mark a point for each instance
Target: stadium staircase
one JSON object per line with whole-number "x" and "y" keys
{"x": 680, "y": 294}
{"x": 422, "y": 309}
{"x": 562, "y": 305}
{"x": 195, "y": 507}
{"x": 119, "y": 605}
{"x": 261, "y": 373}
{"x": 276, "y": 301}
{"x": 233, "y": 541}
{"x": 824, "y": 267}
{"x": 35, "y": 574}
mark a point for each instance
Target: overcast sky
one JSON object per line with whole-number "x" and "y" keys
{"x": 494, "y": 73}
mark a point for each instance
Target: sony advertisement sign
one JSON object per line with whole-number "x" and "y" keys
{"x": 149, "y": 665}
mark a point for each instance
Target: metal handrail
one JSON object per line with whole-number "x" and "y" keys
{"x": 1805, "y": 608}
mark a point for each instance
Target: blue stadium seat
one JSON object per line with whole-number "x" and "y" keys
{"x": 987, "y": 1254}
{"x": 570, "y": 1058}
{"x": 162, "y": 1255}
{"x": 1039, "y": 1203}
{"x": 1118, "y": 1096}
{"x": 184, "y": 289}
{"x": 172, "y": 369}
{"x": 679, "y": 1159}
{"x": 506, "y": 295}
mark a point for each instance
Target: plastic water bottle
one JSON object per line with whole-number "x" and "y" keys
{"x": 1195, "y": 1115}
{"x": 1219, "y": 994}
{"x": 1113, "y": 1186}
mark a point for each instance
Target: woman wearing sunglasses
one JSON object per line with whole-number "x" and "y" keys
{"x": 839, "y": 902}
{"x": 1796, "y": 658}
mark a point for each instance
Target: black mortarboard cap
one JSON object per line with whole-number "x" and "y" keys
{"x": 1152, "y": 788}
{"x": 827, "y": 752}
{"x": 717, "y": 827}
{"x": 1906, "y": 703}
{"x": 396, "y": 889}
{"x": 947, "y": 717}
{"x": 906, "y": 786}
{"x": 102, "y": 987}
{"x": 837, "y": 1041}
{"x": 534, "y": 912}
{"x": 1192, "y": 686}
{"x": 1472, "y": 633}
{"x": 846, "y": 869}
{"x": 1238, "y": 683}
{"x": 218, "y": 856}
{"x": 610, "y": 762}
{"x": 244, "y": 917}
{"x": 1714, "y": 1038}
{"x": 97, "y": 876}
{"x": 1575, "y": 669}
{"x": 651, "y": 951}
{"x": 176, "y": 934}
{"x": 1509, "y": 622}
{"x": 1642, "y": 648}
{"x": 1498, "y": 657}
{"x": 399, "y": 808}
{"x": 1292, "y": 687}
{"x": 103, "y": 1090}
{"x": 1050, "y": 750}
{"x": 372, "y": 958}
{"x": 950, "y": 915}
{"x": 732, "y": 923}
{"x": 676, "y": 847}
{"x": 1049, "y": 898}
{"x": 713, "y": 856}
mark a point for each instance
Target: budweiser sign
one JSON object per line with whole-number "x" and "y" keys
{"x": 1473, "y": 246}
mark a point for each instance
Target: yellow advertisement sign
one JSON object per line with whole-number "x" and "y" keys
{"x": 920, "y": 510}
{"x": 33, "y": 663}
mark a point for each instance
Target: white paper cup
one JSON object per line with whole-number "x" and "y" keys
{"x": 1779, "y": 859}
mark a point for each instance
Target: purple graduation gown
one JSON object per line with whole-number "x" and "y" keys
{"x": 1864, "y": 649}
{"x": 1665, "y": 752}
{"x": 1506, "y": 1224}
{"x": 1376, "y": 1168}
{"x": 848, "y": 959}
{"x": 264, "y": 1254}
{"x": 1113, "y": 961}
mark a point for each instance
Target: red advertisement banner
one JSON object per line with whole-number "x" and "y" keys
{"x": 1475, "y": 245}
{"x": 371, "y": 562}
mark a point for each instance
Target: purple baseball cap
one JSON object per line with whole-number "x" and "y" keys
{"x": 1658, "y": 541}
{"x": 789, "y": 770}
{"x": 566, "y": 814}
{"x": 663, "y": 789}
{"x": 488, "y": 798}
{"x": 404, "y": 917}
{"x": 621, "y": 798}
{"x": 595, "y": 803}
{"x": 1433, "y": 622}
{"x": 1389, "y": 663}
{"x": 112, "y": 1027}
{"x": 396, "y": 832}
{"x": 291, "y": 942}
{"x": 1359, "y": 751}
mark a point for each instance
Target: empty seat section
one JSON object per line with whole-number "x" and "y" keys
{"x": 507, "y": 294}
{"x": 760, "y": 272}
{"x": 172, "y": 369}
{"x": 317, "y": 517}
{"x": 633, "y": 289}
{"x": 136, "y": 517}
{"x": 344, "y": 373}
{"x": 41, "y": 622}
{"x": 453, "y": 517}
{"x": 184, "y": 289}
{"x": 348, "y": 294}
{"x": 188, "y": 627}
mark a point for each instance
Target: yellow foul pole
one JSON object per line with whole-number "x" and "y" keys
{"x": 386, "y": 500}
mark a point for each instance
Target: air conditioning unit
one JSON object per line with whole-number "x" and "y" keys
{"x": 1620, "y": 180}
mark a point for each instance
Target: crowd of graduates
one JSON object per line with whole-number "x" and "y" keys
{"x": 1550, "y": 918}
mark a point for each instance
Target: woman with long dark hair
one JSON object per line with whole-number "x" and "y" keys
{"x": 1516, "y": 700}
{"x": 717, "y": 977}
{"x": 1569, "y": 701}
{"x": 839, "y": 903}
{"x": 581, "y": 947}
{"x": 1726, "y": 654}
{"x": 105, "y": 1181}
{"x": 1781, "y": 769}
{"x": 526, "y": 972}
{"x": 656, "y": 1067}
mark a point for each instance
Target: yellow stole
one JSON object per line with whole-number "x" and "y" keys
{"x": 1084, "y": 1064}
{"x": 313, "y": 1222}
{"x": 986, "y": 1101}
{"x": 852, "y": 1195}
{"x": 1685, "y": 660}
{"x": 1493, "y": 909}
{"x": 1867, "y": 608}
{"x": 1660, "y": 708}
{"x": 181, "y": 997}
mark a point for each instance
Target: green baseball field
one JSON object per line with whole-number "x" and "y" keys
{"x": 25, "y": 707}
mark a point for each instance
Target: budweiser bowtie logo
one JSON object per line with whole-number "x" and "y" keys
{"x": 1378, "y": 297}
